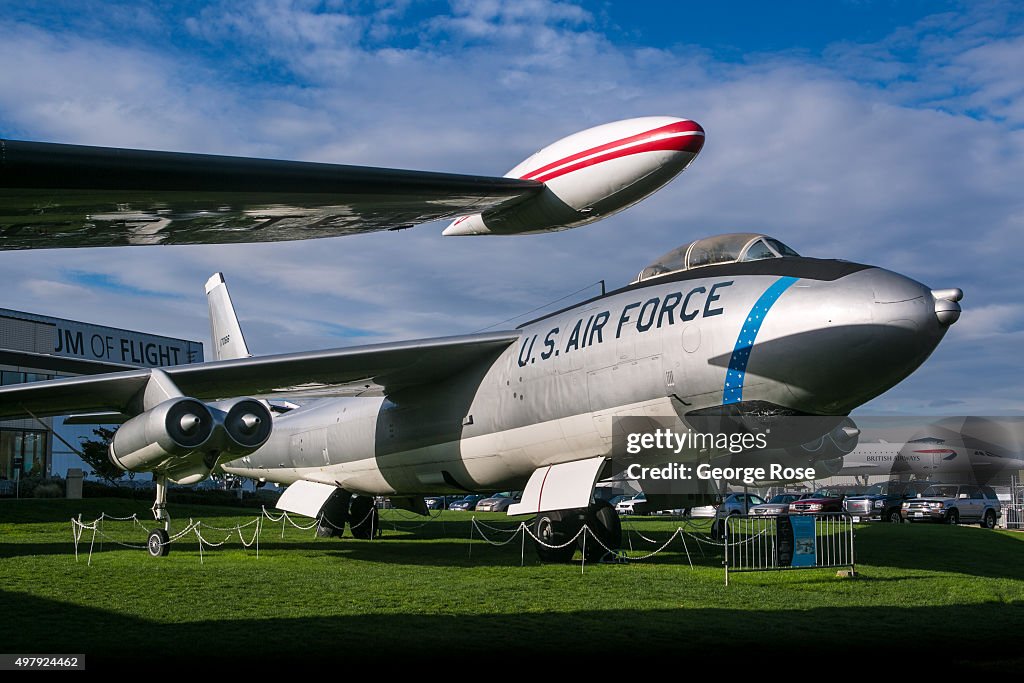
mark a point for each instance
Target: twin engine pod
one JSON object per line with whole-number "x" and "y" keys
{"x": 186, "y": 437}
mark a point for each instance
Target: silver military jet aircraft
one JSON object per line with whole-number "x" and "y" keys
{"x": 731, "y": 325}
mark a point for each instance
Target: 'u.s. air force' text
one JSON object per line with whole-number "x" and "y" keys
{"x": 653, "y": 313}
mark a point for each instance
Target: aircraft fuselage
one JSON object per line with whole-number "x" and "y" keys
{"x": 801, "y": 335}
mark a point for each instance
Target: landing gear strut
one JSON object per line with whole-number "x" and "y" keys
{"x": 556, "y": 528}
{"x": 159, "y": 542}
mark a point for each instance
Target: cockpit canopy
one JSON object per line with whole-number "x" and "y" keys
{"x": 710, "y": 251}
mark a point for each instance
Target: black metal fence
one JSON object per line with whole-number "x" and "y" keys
{"x": 767, "y": 543}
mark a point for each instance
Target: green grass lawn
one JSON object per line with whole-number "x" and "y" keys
{"x": 944, "y": 594}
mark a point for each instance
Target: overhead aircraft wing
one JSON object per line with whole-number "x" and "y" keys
{"x": 56, "y": 196}
{"x": 393, "y": 366}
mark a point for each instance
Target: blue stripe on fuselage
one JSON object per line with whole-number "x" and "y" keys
{"x": 733, "y": 390}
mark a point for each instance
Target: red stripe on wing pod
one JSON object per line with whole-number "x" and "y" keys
{"x": 689, "y": 143}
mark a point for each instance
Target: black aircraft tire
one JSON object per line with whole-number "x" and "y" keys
{"x": 326, "y": 530}
{"x": 334, "y": 515}
{"x": 159, "y": 543}
{"x": 604, "y": 523}
{"x": 363, "y": 520}
{"x": 554, "y": 529}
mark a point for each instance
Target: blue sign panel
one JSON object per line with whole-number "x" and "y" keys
{"x": 804, "y": 541}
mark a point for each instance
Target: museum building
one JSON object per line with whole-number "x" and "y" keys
{"x": 38, "y": 347}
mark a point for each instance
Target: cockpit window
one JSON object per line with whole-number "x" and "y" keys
{"x": 718, "y": 249}
{"x": 780, "y": 247}
{"x": 729, "y": 248}
{"x": 757, "y": 251}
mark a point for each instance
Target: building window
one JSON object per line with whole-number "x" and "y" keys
{"x": 8, "y": 377}
{"x": 24, "y": 451}
{"x": 11, "y": 377}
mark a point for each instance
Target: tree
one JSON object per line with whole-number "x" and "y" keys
{"x": 94, "y": 453}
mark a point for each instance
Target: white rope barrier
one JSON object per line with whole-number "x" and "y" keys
{"x": 478, "y": 528}
{"x": 586, "y": 532}
{"x": 78, "y": 529}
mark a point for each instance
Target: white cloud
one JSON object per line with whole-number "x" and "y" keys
{"x": 52, "y": 289}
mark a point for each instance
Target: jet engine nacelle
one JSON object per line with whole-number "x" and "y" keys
{"x": 185, "y": 437}
{"x": 246, "y": 425}
{"x": 592, "y": 174}
{"x": 175, "y": 428}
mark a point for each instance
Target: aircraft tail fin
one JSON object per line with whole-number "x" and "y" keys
{"x": 228, "y": 341}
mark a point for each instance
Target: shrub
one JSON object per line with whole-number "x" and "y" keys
{"x": 48, "y": 489}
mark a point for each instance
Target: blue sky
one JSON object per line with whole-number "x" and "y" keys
{"x": 886, "y": 132}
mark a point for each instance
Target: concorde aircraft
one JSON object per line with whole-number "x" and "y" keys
{"x": 952, "y": 450}
{"x": 725, "y": 327}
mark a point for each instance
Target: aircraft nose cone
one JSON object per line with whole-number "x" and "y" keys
{"x": 905, "y": 305}
{"x": 854, "y": 338}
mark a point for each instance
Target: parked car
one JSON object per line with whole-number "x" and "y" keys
{"x": 954, "y": 504}
{"x": 626, "y": 505}
{"x": 823, "y": 501}
{"x": 777, "y": 505}
{"x": 884, "y": 501}
{"x": 440, "y": 502}
{"x": 734, "y": 504}
{"x": 499, "y": 502}
{"x": 467, "y": 503}
{"x": 738, "y": 504}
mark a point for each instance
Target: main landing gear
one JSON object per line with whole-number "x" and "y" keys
{"x": 360, "y": 512}
{"x": 363, "y": 520}
{"x": 557, "y": 528}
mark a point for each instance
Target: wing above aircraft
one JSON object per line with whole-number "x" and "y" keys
{"x": 392, "y": 366}
{"x": 55, "y": 195}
